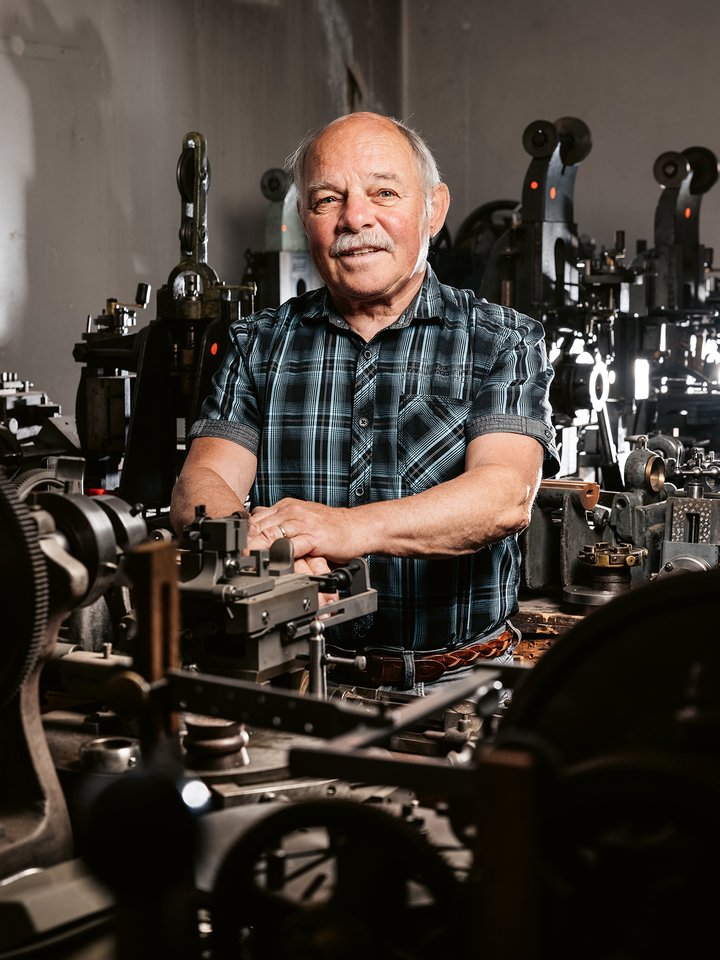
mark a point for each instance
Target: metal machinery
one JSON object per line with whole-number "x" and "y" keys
{"x": 637, "y": 494}
{"x": 678, "y": 324}
{"x": 180, "y": 777}
{"x": 139, "y": 392}
{"x": 59, "y": 552}
{"x": 285, "y": 268}
{"x": 540, "y": 267}
{"x": 169, "y": 810}
{"x": 602, "y": 313}
{"x": 33, "y": 430}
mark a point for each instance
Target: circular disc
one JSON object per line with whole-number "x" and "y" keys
{"x": 704, "y": 166}
{"x": 23, "y": 575}
{"x": 540, "y": 138}
{"x": 275, "y": 183}
{"x": 671, "y": 168}
{"x": 575, "y": 140}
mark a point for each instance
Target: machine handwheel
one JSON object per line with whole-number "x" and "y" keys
{"x": 23, "y": 575}
{"x": 671, "y": 168}
{"x": 627, "y": 703}
{"x": 575, "y": 140}
{"x": 635, "y": 839}
{"x": 332, "y": 878}
{"x": 540, "y": 139}
{"x": 704, "y": 165}
{"x": 624, "y": 674}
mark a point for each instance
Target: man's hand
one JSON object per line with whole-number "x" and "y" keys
{"x": 490, "y": 500}
{"x": 316, "y": 567}
{"x": 316, "y": 531}
{"x": 311, "y": 566}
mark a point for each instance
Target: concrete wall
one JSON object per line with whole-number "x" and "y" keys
{"x": 96, "y": 97}
{"x": 643, "y": 75}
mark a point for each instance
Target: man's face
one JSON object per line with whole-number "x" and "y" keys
{"x": 364, "y": 213}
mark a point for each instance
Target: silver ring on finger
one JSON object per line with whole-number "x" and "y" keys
{"x": 282, "y": 530}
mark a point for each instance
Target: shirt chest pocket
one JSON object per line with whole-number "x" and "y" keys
{"x": 431, "y": 439}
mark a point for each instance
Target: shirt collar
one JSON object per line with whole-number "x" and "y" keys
{"x": 427, "y": 305}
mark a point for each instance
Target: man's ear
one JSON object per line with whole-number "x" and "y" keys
{"x": 439, "y": 208}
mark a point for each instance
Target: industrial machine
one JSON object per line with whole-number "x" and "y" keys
{"x": 633, "y": 341}
{"x": 140, "y": 392}
{"x": 180, "y": 775}
{"x": 677, "y": 323}
{"x": 33, "y": 429}
{"x": 586, "y": 545}
{"x": 365, "y": 826}
{"x": 285, "y": 268}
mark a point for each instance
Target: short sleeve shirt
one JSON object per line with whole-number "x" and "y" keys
{"x": 339, "y": 421}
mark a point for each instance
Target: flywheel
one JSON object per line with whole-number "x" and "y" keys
{"x": 24, "y": 588}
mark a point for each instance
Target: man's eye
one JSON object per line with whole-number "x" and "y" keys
{"x": 386, "y": 194}
{"x": 323, "y": 202}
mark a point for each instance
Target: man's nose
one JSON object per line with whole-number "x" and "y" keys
{"x": 357, "y": 213}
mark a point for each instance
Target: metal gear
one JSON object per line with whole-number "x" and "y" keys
{"x": 623, "y": 715}
{"x": 23, "y": 575}
{"x": 327, "y": 878}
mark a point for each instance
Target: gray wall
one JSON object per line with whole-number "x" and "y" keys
{"x": 643, "y": 75}
{"x": 97, "y": 95}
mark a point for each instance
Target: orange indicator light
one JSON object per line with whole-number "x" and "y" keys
{"x": 688, "y": 213}
{"x": 534, "y": 184}
{"x": 213, "y": 348}
{"x": 553, "y": 193}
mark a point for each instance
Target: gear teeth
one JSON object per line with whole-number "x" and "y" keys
{"x": 29, "y": 619}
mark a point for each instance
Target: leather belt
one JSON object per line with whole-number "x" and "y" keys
{"x": 409, "y": 668}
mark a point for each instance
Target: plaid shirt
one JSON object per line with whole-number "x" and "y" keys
{"x": 338, "y": 421}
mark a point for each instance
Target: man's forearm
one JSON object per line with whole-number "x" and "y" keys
{"x": 203, "y": 487}
{"x": 460, "y": 516}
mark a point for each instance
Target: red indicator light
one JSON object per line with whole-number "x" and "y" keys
{"x": 283, "y": 228}
{"x": 553, "y": 193}
{"x": 688, "y": 213}
{"x": 213, "y": 348}
{"x": 534, "y": 184}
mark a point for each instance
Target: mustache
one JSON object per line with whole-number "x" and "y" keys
{"x": 347, "y": 242}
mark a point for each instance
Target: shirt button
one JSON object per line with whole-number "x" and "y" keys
{"x": 367, "y": 354}
{"x": 363, "y": 421}
{"x": 360, "y": 491}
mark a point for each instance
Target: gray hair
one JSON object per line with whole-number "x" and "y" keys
{"x": 427, "y": 165}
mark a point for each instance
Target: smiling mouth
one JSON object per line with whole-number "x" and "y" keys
{"x": 360, "y": 251}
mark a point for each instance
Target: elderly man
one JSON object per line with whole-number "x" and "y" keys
{"x": 384, "y": 416}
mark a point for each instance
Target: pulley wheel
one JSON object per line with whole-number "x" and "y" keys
{"x": 630, "y": 842}
{"x": 328, "y": 878}
{"x": 704, "y": 165}
{"x": 575, "y": 140}
{"x": 540, "y": 139}
{"x": 186, "y": 174}
{"x": 486, "y": 223}
{"x": 622, "y": 676}
{"x": 671, "y": 168}
{"x": 275, "y": 183}
{"x": 25, "y": 590}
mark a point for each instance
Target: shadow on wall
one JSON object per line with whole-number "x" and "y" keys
{"x": 74, "y": 224}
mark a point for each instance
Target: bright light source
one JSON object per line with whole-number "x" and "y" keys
{"x": 642, "y": 379}
{"x": 195, "y": 794}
